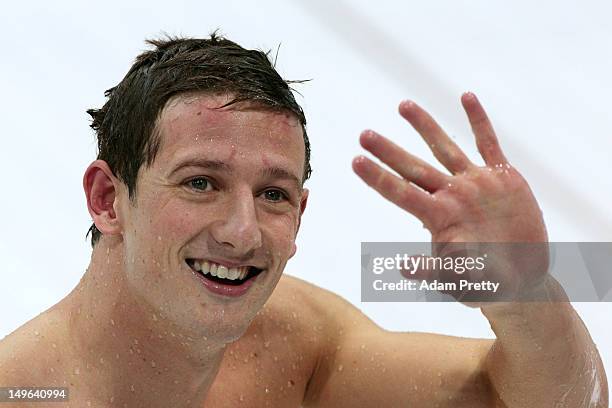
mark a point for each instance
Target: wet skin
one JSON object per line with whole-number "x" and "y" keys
{"x": 306, "y": 346}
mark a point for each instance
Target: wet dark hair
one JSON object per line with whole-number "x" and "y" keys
{"x": 126, "y": 125}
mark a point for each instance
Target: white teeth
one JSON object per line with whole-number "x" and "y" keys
{"x": 221, "y": 271}
{"x": 233, "y": 273}
{"x": 213, "y": 269}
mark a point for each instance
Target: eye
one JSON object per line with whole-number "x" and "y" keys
{"x": 275, "y": 195}
{"x": 199, "y": 184}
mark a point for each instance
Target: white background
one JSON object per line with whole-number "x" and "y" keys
{"x": 542, "y": 69}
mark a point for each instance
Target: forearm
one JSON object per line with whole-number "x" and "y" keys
{"x": 544, "y": 355}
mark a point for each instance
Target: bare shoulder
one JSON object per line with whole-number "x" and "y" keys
{"x": 301, "y": 321}
{"x": 296, "y": 332}
{"x": 319, "y": 309}
{"x": 317, "y": 320}
{"x": 31, "y": 354}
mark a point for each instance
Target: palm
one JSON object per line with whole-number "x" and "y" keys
{"x": 492, "y": 203}
{"x": 487, "y": 204}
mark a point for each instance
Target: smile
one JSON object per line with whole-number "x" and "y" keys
{"x": 222, "y": 274}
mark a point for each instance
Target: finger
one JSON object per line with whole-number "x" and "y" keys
{"x": 408, "y": 166}
{"x": 443, "y": 148}
{"x": 400, "y": 192}
{"x": 417, "y": 268}
{"x": 486, "y": 140}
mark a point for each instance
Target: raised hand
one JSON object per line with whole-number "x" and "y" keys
{"x": 490, "y": 203}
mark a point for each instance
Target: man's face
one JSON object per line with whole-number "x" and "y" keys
{"x": 224, "y": 192}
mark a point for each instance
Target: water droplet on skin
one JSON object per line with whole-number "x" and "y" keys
{"x": 159, "y": 238}
{"x": 154, "y": 317}
{"x": 36, "y": 333}
{"x": 340, "y": 368}
{"x": 132, "y": 388}
{"x": 290, "y": 383}
{"x": 266, "y": 344}
{"x": 112, "y": 322}
{"x": 241, "y": 398}
{"x": 363, "y": 347}
{"x": 267, "y": 390}
{"x": 77, "y": 371}
{"x": 416, "y": 387}
{"x": 53, "y": 345}
{"x": 101, "y": 360}
{"x": 153, "y": 364}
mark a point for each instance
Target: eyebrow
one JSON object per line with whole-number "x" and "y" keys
{"x": 269, "y": 172}
{"x": 280, "y": 173}
{"x": 204, "y": 163}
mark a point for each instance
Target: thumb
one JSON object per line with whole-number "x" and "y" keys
{"x": 416, "y": 267}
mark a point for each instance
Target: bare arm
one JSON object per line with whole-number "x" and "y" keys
{"x": 364, "y": 366}
{"x": 543, "y": 355}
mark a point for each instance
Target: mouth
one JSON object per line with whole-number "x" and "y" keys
{"x": 222, "y": 275}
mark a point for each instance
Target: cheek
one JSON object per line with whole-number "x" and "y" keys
{"x": 168, "y": 219}
{"x": 281, "y": 233}
{"x": 155, "y": 233}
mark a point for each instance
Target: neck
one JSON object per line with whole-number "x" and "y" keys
{"x": 125, "y": 350}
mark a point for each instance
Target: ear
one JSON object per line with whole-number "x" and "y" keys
{"x": 101, "y": 187}
{"x": 303, "y": 202}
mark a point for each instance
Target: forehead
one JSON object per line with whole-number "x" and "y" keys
{"x": 192, "y": 121}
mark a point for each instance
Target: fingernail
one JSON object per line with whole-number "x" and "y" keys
{"x": 358, "y": 160}
{"x": 469, "y": 94}
{"x": 368, "y": 133}
{"x": 407, "y": 103}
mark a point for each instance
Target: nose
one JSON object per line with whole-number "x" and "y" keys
{"x": 238, "y": 226}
